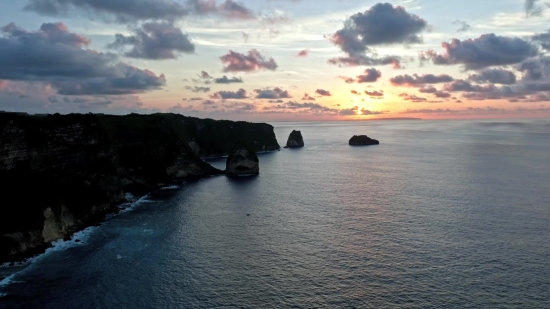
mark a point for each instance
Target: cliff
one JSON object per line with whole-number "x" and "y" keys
{"x": 295, "y": 140}
{"x": 59, "y": 174}
{"x": 242, "y": 161}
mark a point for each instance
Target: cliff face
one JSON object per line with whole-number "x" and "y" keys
{"x": 59, "y": 174}
{"x": 295, "y": 140}
{"x": 242, "y": 161}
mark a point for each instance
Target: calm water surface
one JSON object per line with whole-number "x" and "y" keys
{"x": 442, "y": 214}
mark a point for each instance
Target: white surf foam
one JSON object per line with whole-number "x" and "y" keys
{"x": 78, "y": 239}
{"x": 8, "y": 280}
{"x": 173, "y": 187}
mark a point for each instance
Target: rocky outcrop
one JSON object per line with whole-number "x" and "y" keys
{"x": 362, "y": 140}
{"x": 62, "y": 173}
{"x": 242, "y": 160}
{"x": 295, "y": 140}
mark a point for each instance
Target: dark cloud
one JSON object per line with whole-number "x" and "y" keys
{"x": 370, "y": 76}
{"x": 535, "y": 69}
{"x": 229, "y": 9}
{"x": 494, "y": 76}
{"x": 412, "y": 98}
{"x": 382, "y": 24}
{"x": 416, "y": 80}
{"x": 115, "y": 10}
{"x": 275, "y": 93}
{"x": 462, "y": 85}
{"x": 307, "y": 97}
{"x": 485, "y": 51}
{"x": 198, "y": 89}
{"x": 355, "y": 92}
{"x": 225, "y": 80}
{"x": 375, "y": 93}
{"x": 427, "y": 89}
{"x": 125, "y": 11}
{"x": 543, "y": 39}
{"x": 323, "y": 92}
{"x": 205, "y": 75}
{"x": 239, "y": 94}
{"x": 442, "y": 94}
{"x": 160, "y": 40}
{"x": 57, "y": 57}
{"x": 254, "y": 61}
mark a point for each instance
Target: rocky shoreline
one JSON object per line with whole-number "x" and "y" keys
{"x": 79, "y": 167}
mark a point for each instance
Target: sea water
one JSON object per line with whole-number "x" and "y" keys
{"x": 441, "y": 214}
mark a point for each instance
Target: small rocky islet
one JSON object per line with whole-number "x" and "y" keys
{"x": 362, "y": 140}
{"x": 242, "y": 161}
{"x": 295, "y": 140}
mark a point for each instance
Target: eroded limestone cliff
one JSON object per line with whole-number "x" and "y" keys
{"x": 61, "y": 173}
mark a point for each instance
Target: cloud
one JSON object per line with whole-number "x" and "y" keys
{"x": 462, "y": 85}
{"x": 198, "y": 89}
{"x": 59, "y": 58}
{"x": 442, "y": 94}
{"x": 254, "y": 61}
{"x": 543, "y": 39}
{"x": 205, "y": 75}
{"x": 228, "y": 9}
{"x": 416, "y": 80}
{"x": 303, "y": 53}
{"x": 494, "y": 76}
{"x": 382, "y": 24}
{"x": 347, "y": 80}
{"x": 371, "y": 75}
{"x": 275, "y": 93}
{"x": 374, "y": 93}
{"x": 357, "y": 60}
{"x": 532, "y": 8}
{"x": 127, "y": 11}
{"x": 355, "y": 111}
{"x": 485, "y": 51}
{"x": 427, "y": 89}
{"x": 225, "y": 80}
{"x": 239, "y": 94}
{"x": 115, "y": 10}
{"x": 464, "y": 26}
{"x": 155, "y": 41}
{"x": 322, "y": 92}
{"x": 412, "y": 98}
{"x": 307, "y": 97}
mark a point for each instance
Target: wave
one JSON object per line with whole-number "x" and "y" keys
{"x": 79, "y": 238}
{"x": 173, "y": 187}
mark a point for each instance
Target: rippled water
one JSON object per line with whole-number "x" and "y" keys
{"x": 442, "y": 214}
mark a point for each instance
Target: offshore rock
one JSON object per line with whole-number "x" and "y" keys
{"x": 362, "y": 140}
{"x": 295, "y": 140}
{"x": 242, "y": 160}
{"x": 62, "y": 173}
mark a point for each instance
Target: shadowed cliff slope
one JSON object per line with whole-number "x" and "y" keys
{"x": 61, "y": 173}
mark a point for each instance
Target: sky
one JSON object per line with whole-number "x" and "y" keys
{"x": 277, "y": 60}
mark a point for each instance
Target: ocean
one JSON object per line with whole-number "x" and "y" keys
{"x": 441, "y": 214}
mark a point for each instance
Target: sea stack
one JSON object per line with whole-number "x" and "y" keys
{"x": 362, "y": 140}
{"x": 242, "y": 160}
{"x": 295, "y": 140}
